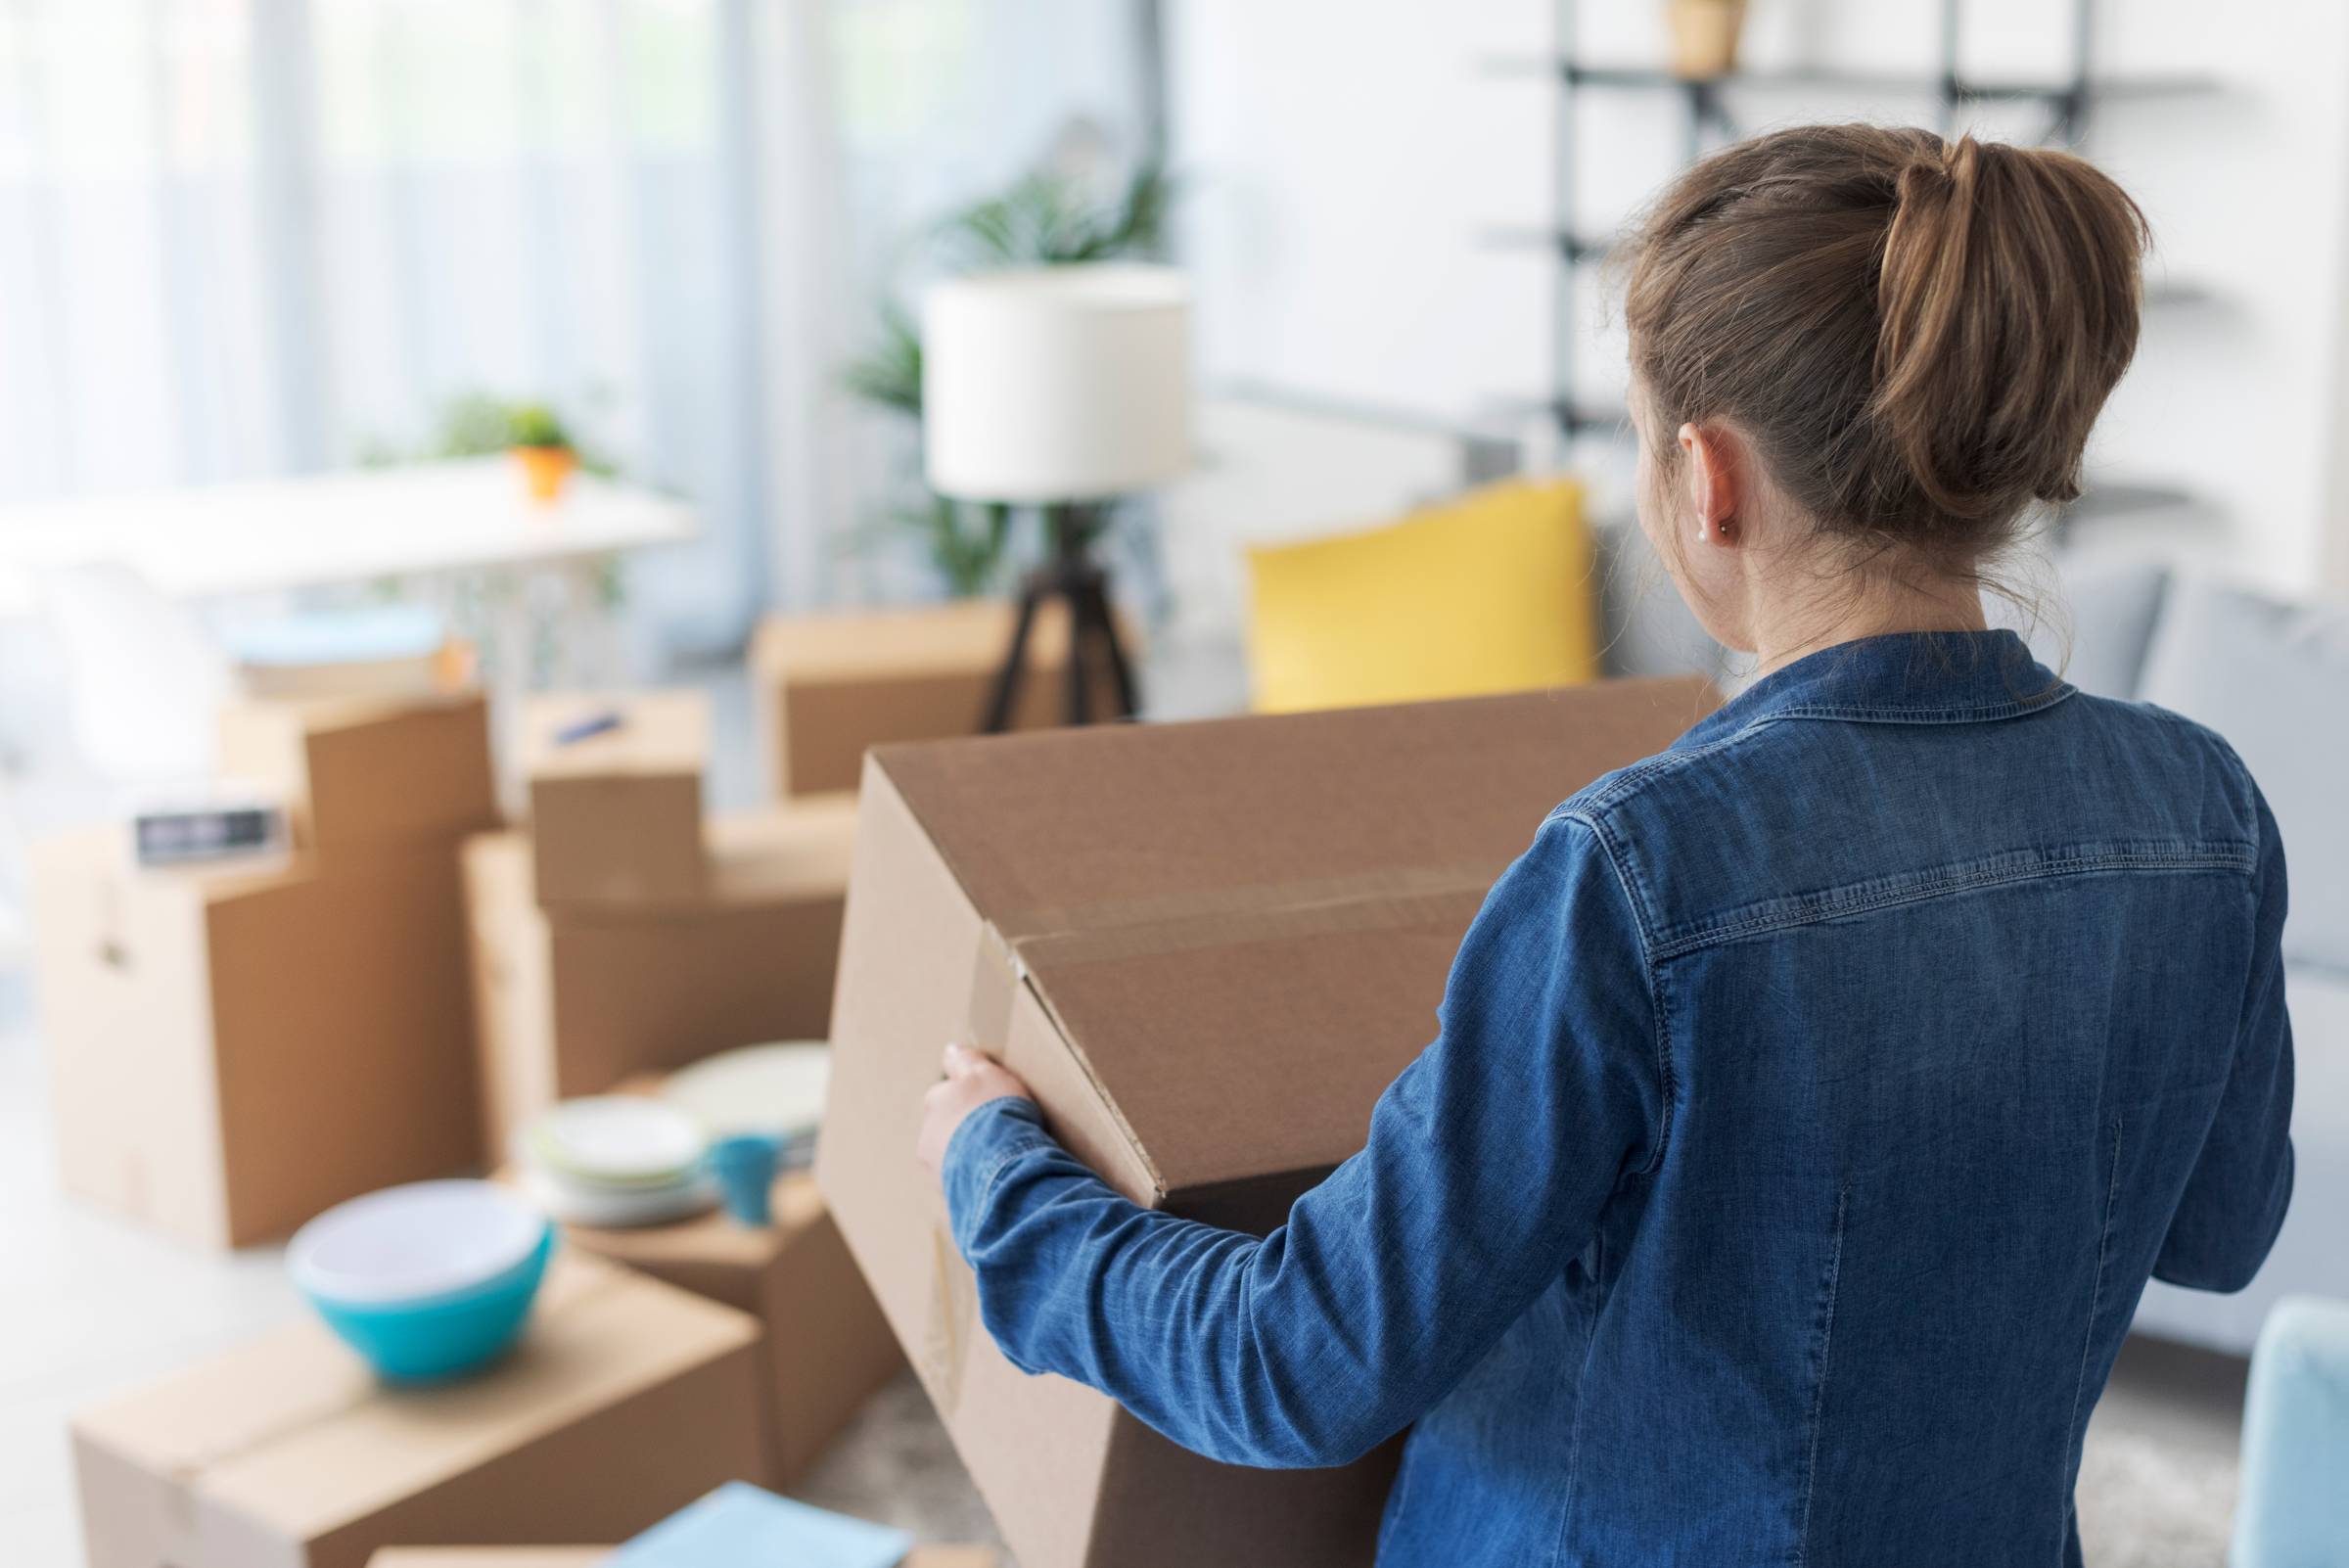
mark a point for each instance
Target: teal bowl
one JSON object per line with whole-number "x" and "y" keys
{"x": 429, "y": 1282}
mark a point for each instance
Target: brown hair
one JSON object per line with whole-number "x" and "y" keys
{"x": 1915, "y": 335}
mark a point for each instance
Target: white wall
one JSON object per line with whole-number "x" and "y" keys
{"x": 1346, "y": 154}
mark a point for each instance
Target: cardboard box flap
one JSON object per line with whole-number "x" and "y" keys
{"x": 294, "y": 1431}
{"x": 1062, "y": 829}
{"x": 1216, "y": 914}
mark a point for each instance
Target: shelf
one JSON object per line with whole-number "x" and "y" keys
{"x": 1571, "y": 247}
{"x": 2116, "y": 496}
{"x": 1796, "y": 78}
{"x": 1577, "y": 249}
{"x": 1579, "y": 417}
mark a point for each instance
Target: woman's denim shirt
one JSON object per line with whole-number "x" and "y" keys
{"x": 1809, "y": 1105}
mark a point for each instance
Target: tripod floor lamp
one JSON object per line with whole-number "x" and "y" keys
{"x": 1059, "y": 387}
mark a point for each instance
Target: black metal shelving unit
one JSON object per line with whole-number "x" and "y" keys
{"x": 1709, "y": 119}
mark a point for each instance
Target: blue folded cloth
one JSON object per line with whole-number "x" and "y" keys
{"x": 740, "y": 1524}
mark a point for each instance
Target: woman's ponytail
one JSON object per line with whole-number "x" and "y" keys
{"x": 2008, "y": 308}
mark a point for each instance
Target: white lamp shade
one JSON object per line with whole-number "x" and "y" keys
{"x": 1056, "y": 384}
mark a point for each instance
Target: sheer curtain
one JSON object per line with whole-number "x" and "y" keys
{"x": 242, "y": 237}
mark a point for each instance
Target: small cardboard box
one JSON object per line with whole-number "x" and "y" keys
{"x": 831, "y": 685}
{"x": 616, "y": 816}
{"x": 625, "y": 1400}
{"x": 596, "y": 1556}
{"x": 1207, "y": 947}
{"x": 231, "y": 1051}
{"x": 357, "y": 772}
{"x": 570, "y": 1002}
{"x": 828, "y": 1348}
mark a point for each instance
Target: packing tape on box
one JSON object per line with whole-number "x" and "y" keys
{"x": 953, "y": 1308}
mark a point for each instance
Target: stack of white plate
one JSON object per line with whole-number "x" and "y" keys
{"x": 615, "y": 1161}
{"x": 774, "y": 1092}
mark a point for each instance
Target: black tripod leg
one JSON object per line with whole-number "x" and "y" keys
{"x": 1081, "y": 671}
{"x": 1120, "y": 674}
{"x": 1015, "y": 666}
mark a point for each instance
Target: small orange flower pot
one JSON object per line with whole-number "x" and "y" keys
{"x": 1704, "y": 37}
{"x": 545, "y": 470}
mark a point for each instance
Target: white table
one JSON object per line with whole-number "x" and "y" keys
{"x": 464, "y": 533}
{"x": 426, "y": 520}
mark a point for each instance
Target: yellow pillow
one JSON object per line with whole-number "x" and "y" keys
{"x": 1492, "y": 592}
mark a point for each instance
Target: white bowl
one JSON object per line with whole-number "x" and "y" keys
{"x": 428, "y": 1238}
{"x": 617, "y": 1208}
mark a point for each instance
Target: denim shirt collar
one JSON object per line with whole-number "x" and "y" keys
{"x": 1911, "y": 677}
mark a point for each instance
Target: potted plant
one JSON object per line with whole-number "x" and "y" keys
{"x": 1704, "y": 36}
{"x": 535, "y": 435}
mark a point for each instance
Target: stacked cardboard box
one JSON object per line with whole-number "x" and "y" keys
{"x": 234, "y": 1048}
{"x": 831, "y": 685}
{"x": 623, "y": 934}
{"x": 625, "y": 1401}
{"x": 1207, "y": 948}
{"x": 827, "y": 1348}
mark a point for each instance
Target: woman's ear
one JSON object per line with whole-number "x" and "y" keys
{"x": 1716, "y": 484}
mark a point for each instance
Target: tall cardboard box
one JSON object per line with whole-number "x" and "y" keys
{"x": 232, "y": 1051}
{"x": 625, "y": 1401}
{"x": 361, "y": 771}
{"x": 615, "y": 815}
{"x": 1207, "y": 947}
{"x": 572, "y": 1001}
{"x": 827, "y": 1350}
{"x": 830, "y": 685}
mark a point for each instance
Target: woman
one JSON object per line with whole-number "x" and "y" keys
{"x": 1812, "y": 1101}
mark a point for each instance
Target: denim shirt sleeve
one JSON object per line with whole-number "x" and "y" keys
{"x": 1489, "y": 1161}
{"x": 2235, "y": 1201}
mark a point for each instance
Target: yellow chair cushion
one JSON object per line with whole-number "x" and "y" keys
{"x": 1490, "y": 593}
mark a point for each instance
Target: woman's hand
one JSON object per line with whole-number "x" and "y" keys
{"x": 971, "y": 1080}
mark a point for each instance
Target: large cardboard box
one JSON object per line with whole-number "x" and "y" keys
{"x": 597, "y": 1556}
{"x": 358, "y": 772}
{"x": 828, "y": 1348}
{"x": 572, "y": 1001}
{"x": 1208, "y": 947}
{"x": 831, "y": 685}
{"x": 625, "y": 1401}
{"x": 231, "y": 1051}
{"x": 616, "y": 816}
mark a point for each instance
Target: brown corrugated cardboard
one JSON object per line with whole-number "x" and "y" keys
{"x": 595, "y": 1557}
{"x": 827, "y": 1347}
{"x": 624, "y": 1401}
{"x": 231, "y": 1052}
{"x": 616, "y": 817}
{"x": 570, "y": 1002}
{"x": 358, "y": 772}
{"x": 1207, "y": 947}
{"x": 831, "y": 685}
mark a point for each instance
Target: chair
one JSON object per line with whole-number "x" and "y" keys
{"x": 2294, "y": 1511}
